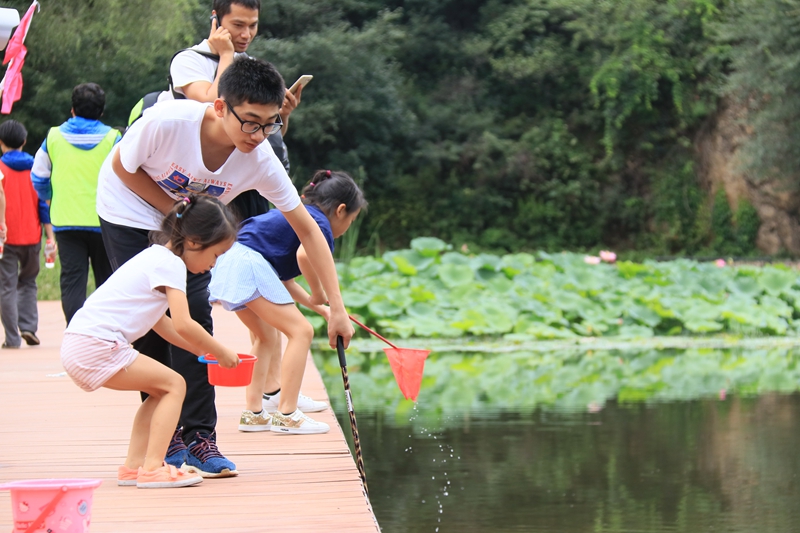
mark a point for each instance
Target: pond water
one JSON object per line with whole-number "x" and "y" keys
{"x": 710, "y": 442}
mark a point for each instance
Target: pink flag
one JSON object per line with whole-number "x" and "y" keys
{"x": 15, "y": 54}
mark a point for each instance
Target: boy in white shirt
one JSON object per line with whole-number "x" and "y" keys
{"x": 218, "y": 150}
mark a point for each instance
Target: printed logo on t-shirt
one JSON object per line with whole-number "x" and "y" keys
{"x": 178, "y": 182}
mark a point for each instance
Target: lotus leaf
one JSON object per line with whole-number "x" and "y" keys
{"x": 714, "y": 287}
{"x": 466, "y": 319}
{"x": 402, "y": 327}
{"x": 635, "y": 331}
{"x": 699, "y": 325}
{"x": 742, "y": 310}
{"x": 776, "y": 325}
{"x": 429, "y": 246}
{"x": 488, "y": 275}
{"x": 775, "y": 306}
{"x": 589, "y": 328}
{"x": 403, "y": 265}
{"x": 565, "y": 262}
{"x": 408, "y": 262}
{"x": 645, "y": 315}
{"x": 569, "y": 301}
{"x": 793, "y": 297}
{"x": 384, "y": 308}
{"x": 628, "y": 269}
{"x": 317, "y": 322}
{"x": 433, "y": 327}
{"x": 453, "y": 275}
{"x": 421, "y": 294}
{"x": 455, "y": 258}
{"x": 362, "y": 267}
{"x": 747, "y": 285}
{"x": 421, "y": 310}
{"x": 490, "y": 319}
{"x": 540, "y": 311}
{"x": 514, "y": 264}
{"x": 356, "y": 299}
{"x": 530, "y": 282}
{"x": 466, "y": 295}
{"x": 486, "y": 262}
{"x": 500, "y": 284}
{"x": 776, "y": 281}
{"x": 584, "y": 280}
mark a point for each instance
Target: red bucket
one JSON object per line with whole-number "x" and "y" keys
{"x": 230, "y": 377}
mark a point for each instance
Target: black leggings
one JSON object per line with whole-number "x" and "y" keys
{"x": 199, "y": 412}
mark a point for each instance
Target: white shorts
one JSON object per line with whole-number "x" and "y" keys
{"x": 90, "y": 361}
{"x": 241, "y": 275}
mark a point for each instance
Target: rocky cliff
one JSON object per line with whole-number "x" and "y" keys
{"x": 718, "y": 145}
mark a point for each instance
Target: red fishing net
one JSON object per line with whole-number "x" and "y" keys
{"x": 407, "y": 366}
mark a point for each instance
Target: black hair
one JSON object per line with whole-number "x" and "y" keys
{"x": 329, "y": 189}
{"x": 201, "y": 219}
{"x": 223, "y": 7}
{"x": 253, "y": 81}
{"x": 13, "y": 134}
{"x": 88, "y": 101}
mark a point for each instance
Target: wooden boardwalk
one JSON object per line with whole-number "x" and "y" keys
{"x": 49, "y": 428}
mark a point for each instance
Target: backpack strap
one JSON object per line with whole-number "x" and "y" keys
{"x": 150, "y": 100}
{"x": 176, "y": 95}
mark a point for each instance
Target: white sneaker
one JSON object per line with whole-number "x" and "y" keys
{"x": 304, "y": 403}
{"x": 251, "y": 421}
{"x": 297, "y": 424}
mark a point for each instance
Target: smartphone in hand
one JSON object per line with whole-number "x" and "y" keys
{"x": 302, "y": 81}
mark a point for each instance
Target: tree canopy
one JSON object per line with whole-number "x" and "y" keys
{"x": 502, "y": 124}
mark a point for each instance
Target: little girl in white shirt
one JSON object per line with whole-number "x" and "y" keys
{"x": 97, "y": 350}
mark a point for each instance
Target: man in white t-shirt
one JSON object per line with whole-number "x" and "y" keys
{"x": 215, "y": 149}
{"x": 194, "y": 74}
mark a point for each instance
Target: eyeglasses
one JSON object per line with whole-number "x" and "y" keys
{"x": 248, "y": 126}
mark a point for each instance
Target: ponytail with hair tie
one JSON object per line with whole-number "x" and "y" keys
{"x": 182, "y": 209}
{"x": 209, "y": 223}
{"x": 327, "y": 190}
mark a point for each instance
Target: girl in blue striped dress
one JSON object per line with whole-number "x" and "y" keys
{"x": 255, "y": 279}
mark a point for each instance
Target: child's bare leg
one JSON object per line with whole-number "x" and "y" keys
{"x": 290, "y": 321}
{"x": 157, "y": 416}
{"x": 273, "y": 381}
{"x": 140, "y": 433}
{"x": 266, "y": 346}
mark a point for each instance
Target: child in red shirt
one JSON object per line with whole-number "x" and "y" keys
{"x": 21, "y": 219}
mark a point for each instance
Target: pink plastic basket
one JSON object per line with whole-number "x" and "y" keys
{"x": 62, "y": 505}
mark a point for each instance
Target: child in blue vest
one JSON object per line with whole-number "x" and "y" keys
{"x": 22, "y": 215}
{"x": 256, "y": 280}
{"x": 64, "y": 173}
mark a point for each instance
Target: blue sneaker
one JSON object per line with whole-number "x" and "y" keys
{"x": 204, "y": 458}
{"x": 177, "y": 451}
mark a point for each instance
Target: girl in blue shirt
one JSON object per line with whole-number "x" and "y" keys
{"x": 255, "y": 279}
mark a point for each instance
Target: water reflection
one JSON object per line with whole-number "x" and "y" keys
{"x": 719, "y": 463}
{"x": 568, "y": 380}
